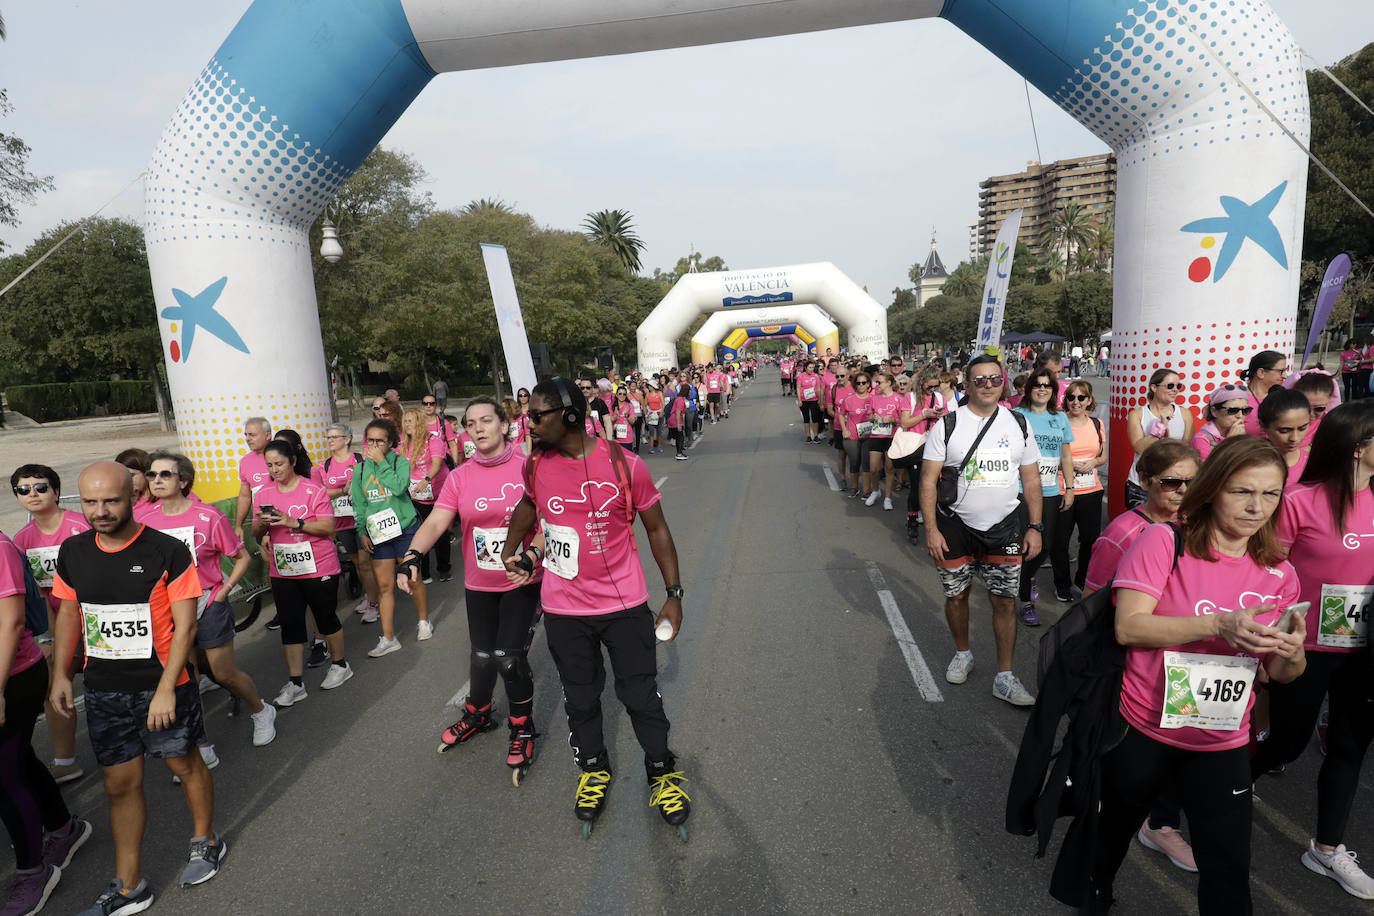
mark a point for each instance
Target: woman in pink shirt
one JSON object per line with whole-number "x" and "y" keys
{"x": 855, "y": 420}
{"x": 1327, "y": 524}
{"x": 623, "y": 419}
{"x": 1350, "y": 368}
{"x": 427, "y": 474}
{"x": 1267, "y": 370}
{"x": 677, "y": 417}
{"x": 1284, "y": 416}
{"x": 1227, "y": 408}
{"x": 809, "y": 401}
{"x": 885, "y": 406}
{"x": 1197, "y": 623}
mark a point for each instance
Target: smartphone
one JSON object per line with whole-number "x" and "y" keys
{"x": 1285, "y": 621}
{"x": 267, "y": 509}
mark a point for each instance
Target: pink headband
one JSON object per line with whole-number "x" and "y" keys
{"x": 1227, "y": 393}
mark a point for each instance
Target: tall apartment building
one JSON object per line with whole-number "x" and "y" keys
{"x": 1089, "y": 181}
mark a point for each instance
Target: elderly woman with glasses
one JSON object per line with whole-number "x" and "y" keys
{"x": 1161, "y": 418}
{"x": 1225, "y": 413}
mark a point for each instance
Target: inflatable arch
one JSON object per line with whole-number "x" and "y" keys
{"x": 805, "y": 324}
{"x": 1210, "y": 191}
{"x": 733, "y": 347}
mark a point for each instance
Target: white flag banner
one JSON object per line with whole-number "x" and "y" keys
{"x": 519, "y": 363}
{"x": 997, "y": 282}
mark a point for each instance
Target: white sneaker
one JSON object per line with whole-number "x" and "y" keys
{"x": 207, "y": 753}
{"x": 423, "y": 630}
{"x": 384, "y": 647}
{"x": 959, "y": 667}
{"x": 887, "y": 503}
{"x": 337, "y": 675}
{"x": 264, "y": 725}
{"x": 1006, "y": 687}
{"x": 207, "y": 685}
{"x": 372, "y": 614}
{"x": 290, "y": 695}
{"x": 872, "y": 498}
{"x": 1341, "y": 866}
{"x": 363, "y": 605}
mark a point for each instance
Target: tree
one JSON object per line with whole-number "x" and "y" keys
{"x": 1086, "y": 305}
{"x": 1342, "y": 138}
{"x": 1051, "y": 265}
{"x": 615, "y": 230}
{"x": 17, "y": 184}
{"x": 1069, "y": 229}
{"x": 484, "y": 204}
{"x": 901, "y": 299}
{"x": 966, "y": 280}
{"x": 683, "y": 267}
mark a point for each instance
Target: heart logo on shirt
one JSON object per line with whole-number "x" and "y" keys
{"x": 297, "y": 511}
{"x": 1206, "y": 607}
{"x": 482, "y": 502}
{"x": 601, "y": 496}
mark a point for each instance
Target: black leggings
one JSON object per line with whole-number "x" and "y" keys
{"x": 1348, "y": 383}
{"x": 1214, "y": 787}
{"x": 1050, "y": 517}
{"x": 1293, "y": 708}
{"x": 1362, "y": 383}
{"x": 442, "y": 548}
{"x": 1086, "y": 515}
{"x": 31, "y": 802}
{"x": 293, "y": 595}
{"x": 639, "y": 432}
{"x": 500, "y": 627}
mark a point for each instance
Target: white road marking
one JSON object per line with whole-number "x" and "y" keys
{"x": 658, "y": 484}
{"x": 1006, "y": 742}
{"x": 830, "y": 478}
{"x": 460, "y": 696}
{"x": 915, "y": 662}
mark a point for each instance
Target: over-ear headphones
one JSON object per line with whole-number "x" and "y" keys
{"x": 573, "y": 416}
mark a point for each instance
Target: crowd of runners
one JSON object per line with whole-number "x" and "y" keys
{"x": 132, "y": 593}
{"x": 1233, "y": 530}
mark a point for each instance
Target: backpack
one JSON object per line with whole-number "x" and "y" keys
{"x": 35, "y": 605}
{"x": 620, "y": 466}
{"x": 947, "y": 485}
{"x": 357, "y": 460}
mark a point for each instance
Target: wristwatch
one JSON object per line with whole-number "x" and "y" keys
{"x": 300, "y": 524}
{"x": 1036, "y": 526}
{"x": 675, "y": 591}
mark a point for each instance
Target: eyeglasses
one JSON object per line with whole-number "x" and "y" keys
{"x": 1078, "y": 397}
{"x": 1169, "y": 484}
{"x": 335, "y": 436}
{"x": 987, "y": 381}
{"x": 371, "y": 441}
{"x": 429, "y": 403}
{"x": 163, "y": 475}
{"x": 862, "y": 381}
{"x": 935, "y": 387}
{"x": 1281, "y": 370}
{"x": 24, "y": 489}
{"x": 1238, "y": 411}
{"x": 538, "y": 415}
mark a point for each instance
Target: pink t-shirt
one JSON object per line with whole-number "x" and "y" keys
{"x": 854, "y": 409}
{"x": 469, "y": 448}
{"x": 12, "y": 583}
{"x": 1206, "y": 439}
{"x": 1111, "y": 546}
{"x": 886, "y": 409}
{"x": 715, "y": 382}
{"x": 786, "y": 369}
{"x": 420, "y": 490}
{"x": 920, "y": 403}
{"x": 40, "y": 550}
{"x": 828, "y": 383}
{"x": 1295, "y": 470}
{"x": 340, "y": 474}
{"x": 1336, "y": 564}
{"x": 253, "y": 470}
{"x": 202, "y": 528}
{"x": 307, "y": 501}
{"x": 591, "y": 553}
{"x": 1252, "y": 423}
{"x": 484, "y": 498}
{"x": 1085, "y": 446}
{"x": 677, "y": 412}
{"x": 623, "y": 423}
{"x": 809, "y": 386}
{"x": 1196, "y": 588}
{"x": 442, "y": 429}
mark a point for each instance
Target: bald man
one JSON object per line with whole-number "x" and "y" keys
{"x": 129, "y": 593}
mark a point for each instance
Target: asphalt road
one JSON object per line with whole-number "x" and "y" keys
{"x": 825, "y": 776}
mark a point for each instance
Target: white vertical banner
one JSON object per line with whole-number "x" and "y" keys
{"x": 998, "y": 280}
{"x": 519, "y": 363}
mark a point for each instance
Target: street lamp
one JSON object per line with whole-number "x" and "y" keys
{"x": 330, "y": 249}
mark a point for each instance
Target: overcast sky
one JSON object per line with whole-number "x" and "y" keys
{"x": 846, "y": 146}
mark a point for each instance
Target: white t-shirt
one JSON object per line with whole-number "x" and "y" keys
{"x": 1076, "y": 352}
{"x": 989, "y": 486}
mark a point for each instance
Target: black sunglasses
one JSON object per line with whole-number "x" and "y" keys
{"x": 1045, "y": 385}
{"x": 163, "y": 475}
{"x": 1239, "y": 411}
{"x": 1173, "y": 483}
{"x": 987, "y": 381}
{"x": 1172, "y": 386}
{"x": 378, "y": 441}
{"x": 1078, "y": 397}
{"x": 429, "y": 403}
{"x": 24, "y": 489}
{"x": 537, "y": 415}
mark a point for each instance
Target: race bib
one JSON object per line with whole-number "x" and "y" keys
{"x": 294, "y": 559}
{"x": 422, "y": 490}
{"x": 1206, "y": 691}
{"x": 881, "y": 428}
{"x": 43, "y": 564}
{"x": 343, "y": 506}
{"x": 487, "y": 544}
{"x": 1049, "y": 473}
{"x": 1345, "y": 615}
{"x": 383, "y": 526}
{"x": 808, "y": 394}
{"x": 1085, "y": 480}
{"x": 653, "y": 416}
{"x": 990, "y": 467}
{"x": 864, "y": 428}
{"x": 469, "y": 449}
{"x": 118, "y": 631}
{"x": 622, "y": 430}
{"x": 560, "y": 550}
{"x": 187, "y": 536}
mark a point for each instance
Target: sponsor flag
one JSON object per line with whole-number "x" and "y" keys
{"x": 1332, "y": 284}
{"x": 519, "y": 364}
{"x": 998, "y": 280}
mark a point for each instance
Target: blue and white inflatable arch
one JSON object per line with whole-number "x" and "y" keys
{"x": 1210, "y": 191}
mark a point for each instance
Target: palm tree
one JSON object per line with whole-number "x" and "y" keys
{"x": 1052, "y": 263}
{"x": 1085, "y": 259}
{"x": 1104, "y": 240}
{"x": 1069, "y": 228}
{"x": 966, "y": 280}
{"x": 485, "y": 205}
{"x": 614, "y": 230}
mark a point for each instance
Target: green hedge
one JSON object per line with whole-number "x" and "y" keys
{"x": 65, "y": 400}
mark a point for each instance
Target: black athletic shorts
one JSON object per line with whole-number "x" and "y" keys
{"x": 118, "y": 725}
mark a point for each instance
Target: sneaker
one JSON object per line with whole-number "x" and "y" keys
{"x": 319, "y": 655}
{"x": 290, "y": 695}
{"x": 681, "y": 456}
{"x": 207, "y": 685}
{"x": 1340, "y": 865}
{"x": 887, "y": 504}
{"x": 1028, "y": 615}
{"x": 58, "y": 850}
{"x": 445, "y": 575}
{"x": 372, "y": 614}
{"x": 1168, "y": 841}
{"x": 206, "y": 856}
{"x": 384, "y": 647}
{"x": 119, "y": 900}
{"x": 363, "y": 605}
{"x": 65, "y": 772}
{"x": 264, "y": 725}
{"x": 428, "y": 580}
{"x": 855, "y": 493}
{"x": 1006, "y": 687}
{"x": 336, "y": 676}
{"x": 30, "y": 892}
{"x": 1065, "y": 595}
{"x": 274, "y": 623}
{"x": 207, "y": 753}
{"x": 872, "y": 498}
{"x": 423, "y": 630}
{"x": 959, "y": 667}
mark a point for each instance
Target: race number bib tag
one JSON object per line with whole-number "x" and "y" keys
{"x": 383, "y": 526}
{"x": 808, "y": 394}
{"x": 343, "y": 506}
{"x": 990, "y": 467}
{"x": 560, "y": 550}
{"x": 118, "y": 631}
{"x": 294, "y": 559}
{"x": 422, "y": 490}
{"x": 1049, "y": 473}
{"x": 187, "y": 536}
{"x": 487, "y": 544}
{"x": 1345, "y": 616}
{"x": 1085, "y": 480}
{"x": 43, "y": 563}
{"x": 883, "y": 428}
{"x": 622, "y": 430}
{"x": 1206, "y": 691}
{"x": 469, "y": 449}
{"x": 864, "y": 428}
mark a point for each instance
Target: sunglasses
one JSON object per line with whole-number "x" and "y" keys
{"x": 163, "y": 475}
{"x": 430, "y": 403}
{"x": 24, "y": 489}
{"x": 1172, "y": 386}
{"x": 522, "y": 395}
{"x": 987, "y": 381}
{"x": 862, "y": 381}
{"x": 376, "y": 408}
{"x": 378, "y": 441}
{"x": 1238, "y": 411}
{"x": 1169, "y": 484}
{"x": 1079, "y": 397}
{"x": 537, "y": 415}
{"x": 1045, "y": 385}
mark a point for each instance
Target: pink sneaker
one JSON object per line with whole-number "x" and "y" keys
{"x": 1170, "y": 842}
